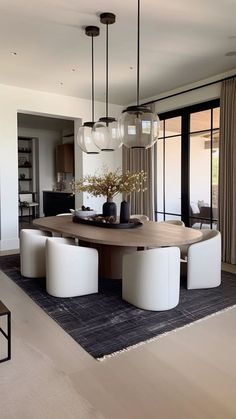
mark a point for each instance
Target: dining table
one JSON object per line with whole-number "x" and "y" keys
{"x": 112, "y": 243}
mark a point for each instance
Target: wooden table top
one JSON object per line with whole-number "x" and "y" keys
{"x": 151, "y": 234}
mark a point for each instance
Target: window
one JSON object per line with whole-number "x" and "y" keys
{"x": 187, "y": 165}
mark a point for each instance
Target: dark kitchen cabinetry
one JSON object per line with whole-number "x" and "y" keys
{"x": 65, "y": 158}
{"x": 57, "y": 202}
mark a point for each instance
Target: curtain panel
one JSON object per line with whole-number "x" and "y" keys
{"x": 227, "y": 170}
{"x": 135, "y": 161}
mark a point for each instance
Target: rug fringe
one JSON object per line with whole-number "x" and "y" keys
{"x": 155, "y": 338}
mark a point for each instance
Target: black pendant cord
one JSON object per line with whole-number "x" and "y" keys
{"x": 138, "y": 52}
{"x": 107, "y": 70}
{"x": 107, "y": 19}
{"x": 92, "y": 81}
{"x": 92, "y": 31}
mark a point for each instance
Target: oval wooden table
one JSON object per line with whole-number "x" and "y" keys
{"x": 111, "y": 243}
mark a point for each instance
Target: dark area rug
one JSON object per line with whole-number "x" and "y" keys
{"x": 103, "y": 323}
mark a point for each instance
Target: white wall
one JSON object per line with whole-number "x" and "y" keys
{"x": 191, "y": 98}
{"x": 47, "y": 142}
{"x": 14, "y": 100}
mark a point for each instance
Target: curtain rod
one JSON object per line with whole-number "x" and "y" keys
{"x": 188, "y": 90}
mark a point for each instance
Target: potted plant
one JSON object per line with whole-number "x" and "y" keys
{"x": 109, "y": 184}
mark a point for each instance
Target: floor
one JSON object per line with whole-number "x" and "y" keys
{"x": 189, "y": 373}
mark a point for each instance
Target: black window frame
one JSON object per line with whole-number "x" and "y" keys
{"x": 185, "y": 134}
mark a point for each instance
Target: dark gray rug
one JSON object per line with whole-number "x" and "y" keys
{"x": 103, "y": 323}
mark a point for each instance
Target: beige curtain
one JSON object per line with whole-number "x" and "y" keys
{"x": 134, "y": 161}
{"x": 227, "y": 170}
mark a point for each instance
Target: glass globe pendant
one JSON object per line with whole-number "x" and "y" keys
{"x": 84, "y": 136}
{"x": 106, "y": 132}
{"x": 85, "y": 140}
{"x": 139, "y": 126}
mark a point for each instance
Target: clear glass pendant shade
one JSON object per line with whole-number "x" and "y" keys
{"x": 85, "y": 139}
{"x": 139, "y": 127}
{"x": 106, "y": 134}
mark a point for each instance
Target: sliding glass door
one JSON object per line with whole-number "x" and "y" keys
{"x": 187, "y": 165}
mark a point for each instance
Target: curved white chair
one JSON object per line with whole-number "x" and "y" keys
{"x": 151, "y": 278}
{"x": 70, "y": 270}
{"x": 204, "y": 261}
{"x": 175, "y": 222}
{"x": 63, "y": 214}
{"x": 62, "y": 235}
{"x": 142, "y": 217}
{"x": 32, "y": 253}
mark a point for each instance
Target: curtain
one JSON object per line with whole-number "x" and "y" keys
{"x": 136, "y": 160}
{"x": 227, "y": 170}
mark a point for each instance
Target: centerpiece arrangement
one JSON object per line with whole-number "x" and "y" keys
{"x": 109, "y": 184}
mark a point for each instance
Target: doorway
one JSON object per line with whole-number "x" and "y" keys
{"x": 38, "y": 139}
{"x": 187, "y": 163}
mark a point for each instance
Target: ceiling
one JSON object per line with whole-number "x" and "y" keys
{"x": 181, "y": 42}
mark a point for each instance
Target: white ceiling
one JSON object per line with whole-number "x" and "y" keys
{"x": 182, "y": 41}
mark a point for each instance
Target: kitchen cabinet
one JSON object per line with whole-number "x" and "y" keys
{"x": 65, "y": 158}
{"x": 57, "y": 202}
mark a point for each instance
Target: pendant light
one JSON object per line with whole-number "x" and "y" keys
{"x": 106, "y": 133}
{"x": 139, "y": 126}
{"x": 84, "y": 136}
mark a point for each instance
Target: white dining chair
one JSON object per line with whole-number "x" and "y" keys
{"x": 151, "y": 278}
{"x": 64, "y": 213}
{"x": 204, "y": 261}
{"x": 32, "y": 253}
{"x": 70, "y": 270}
{"x": 67, "y": 214}
{"x": 142, "y": 217}
{"x": 174, "y": 222}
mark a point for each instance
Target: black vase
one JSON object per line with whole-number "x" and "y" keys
{"x": 109, "y": 209}
{"x": 124, "y": 212}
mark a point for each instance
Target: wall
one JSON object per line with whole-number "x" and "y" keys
{"x": 191, "y": 98}
{"x": 47, "y": 142}
{"x": 14, "y": 100}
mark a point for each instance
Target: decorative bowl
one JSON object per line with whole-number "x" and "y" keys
{"x": 84, "y": 214}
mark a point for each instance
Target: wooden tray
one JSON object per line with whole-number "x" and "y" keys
{"x": 133, "y": 223}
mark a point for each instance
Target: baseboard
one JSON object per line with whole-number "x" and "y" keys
{"x": 10, "y": 245}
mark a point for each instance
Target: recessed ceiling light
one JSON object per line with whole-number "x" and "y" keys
{"x": 131, "y": 68}
{"x": 230, "y": 53}
{"x": 73, "y": 70}
{"x": 61, "y": 83}
{"x": 14, "y": 53}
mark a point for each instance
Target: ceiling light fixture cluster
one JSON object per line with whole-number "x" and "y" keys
{"x": 137, "y": 127}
